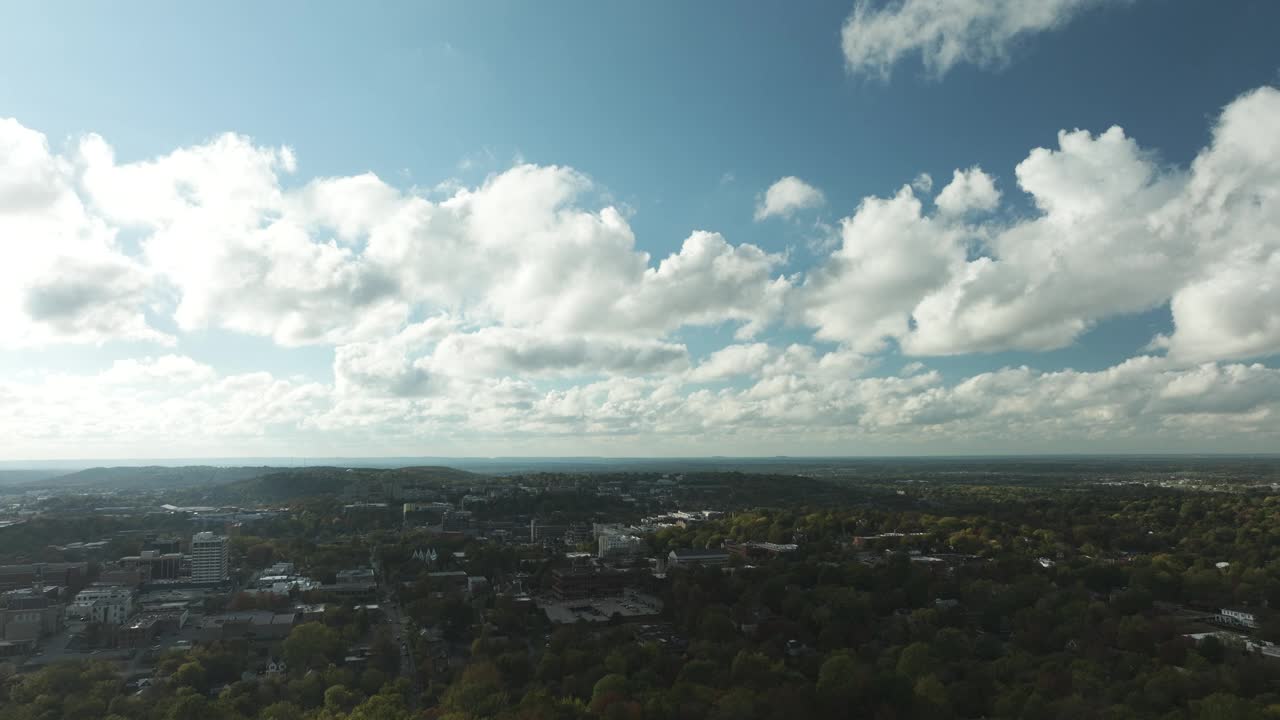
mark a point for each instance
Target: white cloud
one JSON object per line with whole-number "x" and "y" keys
{"x": 1231, "y": 206}
{"x": 732, "y": 361}
{"x": 525, "y": 308}
{"x": 388, "y": 367}
{"x": 238, "y": 250}
{"x": 64, "y": 277}
{"x": 946, "y": 33}
{"x": 165, "y": 405}
{"x": 498, "y": 352}
{"x": 969, "y": 191}
{"x": 340, "y": 260}
{"x": 801, "y": 400}
{"x": 891, "y": 255}
{"x": 786, "y": 196}
{"x": 1116, "y": 232}
{"x": 520, "y": 253}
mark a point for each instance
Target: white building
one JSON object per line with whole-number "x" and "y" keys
{"x": 209, "y": 558}
{"x": 109, "y": 612}
{"x": 110, "y": 604}
{"x": 616, "y": 544}
{"x": 1239, "y": 618}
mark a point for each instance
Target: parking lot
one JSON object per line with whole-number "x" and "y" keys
{"x": 628, "y": 605}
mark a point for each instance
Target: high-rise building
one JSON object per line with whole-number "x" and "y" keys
{"x": 208, "y": 557}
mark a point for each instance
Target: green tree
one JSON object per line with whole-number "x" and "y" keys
{"x": 191, "y": 675}
{"x": 312, "y": 646}
{"x": 281, "y": 711}
{"x": 1224, "y": 706}
{"x": 339, "y": 699}
{"x": 916, "y": 660}
{"x": 478, "y": 694}
{"x": 191, "y": 707}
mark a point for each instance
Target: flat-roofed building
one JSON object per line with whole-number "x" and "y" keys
{"x": 580, "y": 583}
{"x": 156, "y": 565}
{"x": 106, "y": 604}
{"x": 618, "y": 545}
{"x": 209, "y": 558}
{"x": 690, "y": 557}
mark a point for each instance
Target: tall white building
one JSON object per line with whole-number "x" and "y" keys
{"x": 208, "y": 557}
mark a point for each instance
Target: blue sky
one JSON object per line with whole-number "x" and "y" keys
{"x": 681, "y": 115}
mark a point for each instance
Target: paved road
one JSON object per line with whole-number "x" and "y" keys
{"x": 398, "y": 623}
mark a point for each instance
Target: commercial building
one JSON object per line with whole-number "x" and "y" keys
{"x": 456, "y": 521}
{"x": 581, "y": 583}
{"x": 162, "y": 545}
{"x": 260, "y": 625}
{"x": 754, "y": 550}
{"x": 24, "y": 576}
{"x": 352, "y": 590}
{"x": 360, "y": 574}
{"x": 448, "y": 580}
{"x": 107, "y": 604}
{"x": 618, "y": 545}
{"x": 425, "y": 513}
{"x": 543, "y": 532}
{"x": 209, "y": 558}
{"x": 1238, "y": 617}
{"x": 30, "y": 619}
{"x": 687, "y": 558}
{"x": 578, "y": 533}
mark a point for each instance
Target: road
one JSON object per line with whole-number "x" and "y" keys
{"x": 398, "y": 623}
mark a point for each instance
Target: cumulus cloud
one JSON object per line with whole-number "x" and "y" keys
{"x": 786, "y": 196}
{"x": 891, "y": 255}
{"x": 969, "y": 190}
{"x": 945, "y": 34}
{"x": 732, "y": 361}
{"x": 524, "y": 307}
{"x": 64, "y": 276}
{"x": 1116, "y": 232}
{"x": 339, "y": 260}
{"x": 237, "y": 249}
{"x": 1231, "y": 207}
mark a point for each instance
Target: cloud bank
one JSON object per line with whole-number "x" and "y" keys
{"x": 523, "y": 309}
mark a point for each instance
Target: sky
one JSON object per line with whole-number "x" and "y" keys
{"x": 867, "y": 227}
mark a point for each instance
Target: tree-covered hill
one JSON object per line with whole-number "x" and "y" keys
{"x": 152, "y": 477}
{"x": 280, "y": 485}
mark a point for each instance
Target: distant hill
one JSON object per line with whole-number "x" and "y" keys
{"x": 280, "y": 485}
{"x": 149, "y": 478}
{"x": 17, "y": 477}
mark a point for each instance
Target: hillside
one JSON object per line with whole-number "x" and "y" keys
{"x": 152, "y": 477}
{"x": 18, "y": 477}
{"x": 279, "y": 485}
